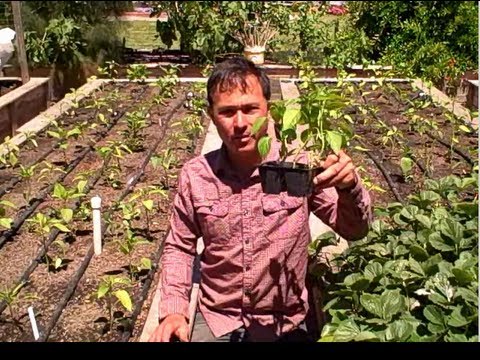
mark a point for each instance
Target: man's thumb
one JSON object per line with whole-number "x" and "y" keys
{"x": 182, "y": 333}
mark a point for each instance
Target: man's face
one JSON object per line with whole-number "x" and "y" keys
{"x": 234, "y": 112}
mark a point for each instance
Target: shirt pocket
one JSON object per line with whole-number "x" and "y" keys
{"x": 213, "y": 219}
{"x": 283, "y": 217}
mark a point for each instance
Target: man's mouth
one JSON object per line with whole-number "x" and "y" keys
{"x": 241, "y": 137}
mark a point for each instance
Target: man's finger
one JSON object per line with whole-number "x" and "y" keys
{"x": 329, "y": 161}
{"x": 329, "y": 173}
{"x": 345, "y": 177}
{"x": 166, "y": 334}
{"x": 182, "y": 333}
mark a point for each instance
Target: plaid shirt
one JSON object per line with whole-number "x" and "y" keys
{"x": 255, "y": 259}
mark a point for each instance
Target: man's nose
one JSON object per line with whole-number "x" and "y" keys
{"x": 240, "y": 120}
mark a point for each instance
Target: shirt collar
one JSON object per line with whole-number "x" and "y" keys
{"x": 222, "y": 164}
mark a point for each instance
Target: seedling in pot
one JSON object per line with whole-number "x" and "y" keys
{"x": 314, "y": 121}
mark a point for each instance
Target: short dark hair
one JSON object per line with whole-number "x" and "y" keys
{"x": 232, "y": 73}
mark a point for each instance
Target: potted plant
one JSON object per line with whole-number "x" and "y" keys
{"x": 254, "y": 37}
{"x": 308, "y": 128}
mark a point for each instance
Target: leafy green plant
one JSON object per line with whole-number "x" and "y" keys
{"x": 113, "y": 289}
{"x": 114, "y": 150}
{"x": 414, "y": 277}
{"x": 109, "y": 70}
{"x": 314, "y": 119}
{"x": 9, "y": 157}
{"x": 11, "y": 298}
{"x": 146, "y": 196}
{"x": 166, "y": 159}
{"x": 406, "y": 164}
{"x": 137, "y": 72}
{"x": 63, "y": 135}
{"x": 4, "y": 221}
{"x": 42, "y": 225}
{"x": 136, "y": 122}
{"x": 27, "y": 173}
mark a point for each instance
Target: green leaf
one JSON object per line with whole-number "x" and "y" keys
{"x": 437, "y": 242}
{"x": 419, "y": 253}
{"x": 406, "y": 164}
{"x": 61, "y": 227}
{"x": 346, "y": 331}
{"x": 366, "y": 336}
{"x": 372, "y": 304}
{"x": 67, "y": 215}
{"x": 457, "y": 319}
{"x": 124, "y": 298}
{"x": 399, "y": 330}
{"x": 146, "y": 263}
{"x": 392, "y": 303}
{"x": 102, "y": 290}
{"x": 452, "y": 229}
{"x": 58, "y": 263}
{"x": 464, "y": 129}
{"x": 258, "y": 124}
{"x": 434, "y": 314}
{"x": 335, "y": 140}
{"x": 373, "y": 271}
{"x": 264, "y": 146}
{"x": 455, "y": 337}
{"x": 463, "y": 277}
{"x": 467, "y": 295}
{"x": 6, "y": 223}
{"x": 416, "y": 267}
{"x": 148, "y": 204}
{"x": 58, "y": 190}
{"x": 356, "y": 282}
{"x": 424, "y": 220}
{"x": 470, "y": 209}
{"x": 290, "y": 118}
{"x": 7, "y": 203}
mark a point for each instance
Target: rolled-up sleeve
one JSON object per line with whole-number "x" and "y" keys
{"x": 179, "y": 252}
{"x": 347, "y": 212}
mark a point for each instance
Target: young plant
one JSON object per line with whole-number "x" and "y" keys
{"x": 113, "y": 289}
{"x": 109, "y": 70}
{"x": 5, "y": 222}
{"x": 137, "y": 72}
{"x": 27, "y": 173}
{"x": 136, "y": 122}
{"x": 11, "y": 298}
{"x": 114, "y": 150}
{"x": 406, "y": 164}
{"x": 146, "y": 196}
{"x": 42, "y": 225}
{"x": 58, "y": 261}
{"x": 9, "y": 157}
{"x": 166, "y": 160}
{"x": 62, "y": 134}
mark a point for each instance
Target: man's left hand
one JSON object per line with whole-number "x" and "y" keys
{"x": 338, "y": 171}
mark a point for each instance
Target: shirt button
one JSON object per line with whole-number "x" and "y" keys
{"x": 247, "y": 268}
{"x": 245, "y": 212}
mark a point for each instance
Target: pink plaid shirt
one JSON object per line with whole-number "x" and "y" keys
{"x": 255, "y": 259}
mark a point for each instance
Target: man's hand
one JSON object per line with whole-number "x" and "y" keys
{"x": 338, "y": 171}
{"x": 172, "y": 325}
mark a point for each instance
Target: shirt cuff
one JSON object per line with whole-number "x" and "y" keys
{"x": 172, "y": 306}
{"x": 354, "y": 192}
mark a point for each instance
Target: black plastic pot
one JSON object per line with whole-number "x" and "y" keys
{"x": 296, "y": 181}
{"x": 272, "y": 177}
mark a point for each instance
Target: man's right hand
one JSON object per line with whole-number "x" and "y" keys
{"x": 174, "y": 325}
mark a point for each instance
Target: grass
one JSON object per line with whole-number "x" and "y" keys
{"x": 140, "y": 34}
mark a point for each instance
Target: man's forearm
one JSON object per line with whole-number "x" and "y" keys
{"x": 175, "y": 281}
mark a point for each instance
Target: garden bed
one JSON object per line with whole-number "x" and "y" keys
{"x": 65, "y": 294}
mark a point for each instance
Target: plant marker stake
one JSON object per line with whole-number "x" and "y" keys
{"x": 31, "y": 315}
{"x": 96, "y": 202}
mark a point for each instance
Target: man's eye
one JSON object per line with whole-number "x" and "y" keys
{"x": 250, "y": 110}
{"x": 227, "y": 113}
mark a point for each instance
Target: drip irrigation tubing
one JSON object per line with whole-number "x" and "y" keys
{"x": 148, "y": 282}
{"x": 455, "y": 149}
{"x": 15, "y": 180}
{"x": 384, "y": 172}
{"x": 52, "y": 236}
{"x": 86, "y": 261}
{"x": 18, "y": 222}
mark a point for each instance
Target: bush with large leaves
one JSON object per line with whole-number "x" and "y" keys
{"x": 415, "y": 276}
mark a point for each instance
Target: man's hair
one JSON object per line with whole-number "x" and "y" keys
{"x": 232, "y": 73}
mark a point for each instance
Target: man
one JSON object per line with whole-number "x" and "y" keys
{"x": 254, "y": 264}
